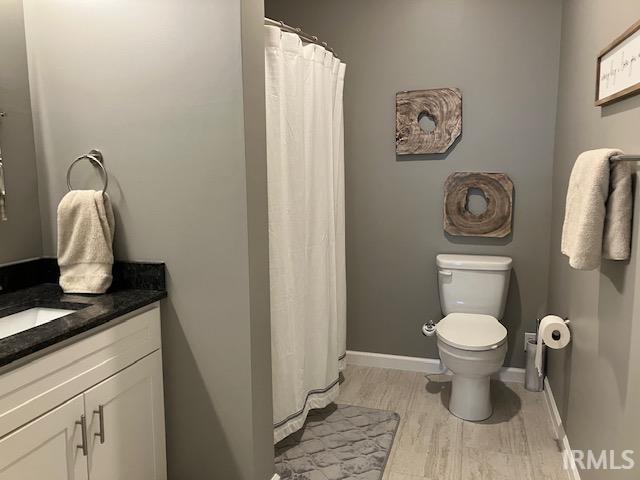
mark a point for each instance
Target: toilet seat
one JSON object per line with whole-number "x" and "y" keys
{"x": 471, "y": 331}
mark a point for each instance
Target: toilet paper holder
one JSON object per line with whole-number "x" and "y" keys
{"x": 538, "y": 320}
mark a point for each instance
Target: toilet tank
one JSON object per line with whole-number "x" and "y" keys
{"x": 473, "y": 283}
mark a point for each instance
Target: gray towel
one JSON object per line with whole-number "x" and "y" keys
{"x": 85, "y": 241}
{"x": 597, "y": 220}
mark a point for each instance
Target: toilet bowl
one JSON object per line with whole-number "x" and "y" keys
{"x": 471, "y": 340}
{"x": 473, "y": 347}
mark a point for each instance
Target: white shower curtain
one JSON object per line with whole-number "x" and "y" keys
{"x": 305, "y": 157}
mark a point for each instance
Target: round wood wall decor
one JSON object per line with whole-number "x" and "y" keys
{"x": 442, "y": 105}
{"x": 495, "y": 221}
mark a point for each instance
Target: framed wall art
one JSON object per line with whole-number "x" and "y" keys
{"x": 618, "y": 68}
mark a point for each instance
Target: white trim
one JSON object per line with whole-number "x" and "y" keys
{"x": 418, "y": 364}
{"x": 275, "y": 477}
{"x": 561, "y": 435}
{"x": 552, "y": 407}
{"x": 511, "y": 374}
{"x": 396, "y": 362}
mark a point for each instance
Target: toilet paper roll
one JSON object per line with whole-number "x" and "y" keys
{"x": 554, "y": 333}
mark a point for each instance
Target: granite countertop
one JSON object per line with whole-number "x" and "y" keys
{"x": 90, "y": 311}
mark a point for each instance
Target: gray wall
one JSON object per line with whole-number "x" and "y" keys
{"x": 504, "y": 56}
{"x": 595, "y": 381}
{"x": 20, "y": 236}
{"x": 158, "y": 86}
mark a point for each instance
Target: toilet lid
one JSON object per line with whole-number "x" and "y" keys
{"x": 471, "y": 331}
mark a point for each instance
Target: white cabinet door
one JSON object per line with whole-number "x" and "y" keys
{"x": 47, "y": 447}
{"x": 132, "y": 424}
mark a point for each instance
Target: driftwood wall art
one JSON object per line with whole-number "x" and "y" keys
{"x": 495, "y": 221}
{"x": 442, "y": 105}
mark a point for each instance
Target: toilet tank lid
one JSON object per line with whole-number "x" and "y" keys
{"x": 474, "y": 262}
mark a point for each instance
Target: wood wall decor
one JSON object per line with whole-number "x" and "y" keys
{"x": 495, "y": 221}
{"x": 442, "y": 105}
{"x": 617, "y": 72}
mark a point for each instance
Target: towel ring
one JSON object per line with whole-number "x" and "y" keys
{"x": 95, "y": 156}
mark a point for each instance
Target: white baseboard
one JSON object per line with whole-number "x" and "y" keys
{"x": 396, "y": 362}
{"x": 417, "y": 364}
{"x": 558, "y": 427}
{"x": 511, "y": 374}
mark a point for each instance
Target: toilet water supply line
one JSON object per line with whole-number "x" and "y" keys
{"x": 429, "y": 330}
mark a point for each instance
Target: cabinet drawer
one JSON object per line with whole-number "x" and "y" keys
{"x": 49, "y": 380}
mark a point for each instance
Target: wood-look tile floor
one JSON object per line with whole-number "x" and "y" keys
{"x": 517, "y": 442}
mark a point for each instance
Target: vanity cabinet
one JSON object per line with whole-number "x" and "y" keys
{"x": 92, "y": 409}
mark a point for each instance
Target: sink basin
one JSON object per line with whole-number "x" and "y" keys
{"x": 21, "y": 321}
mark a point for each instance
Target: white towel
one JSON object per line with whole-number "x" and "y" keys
{"x": 85, "y": 241}
{"x": 597, "y": 220}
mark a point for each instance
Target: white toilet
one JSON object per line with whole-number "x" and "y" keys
{"x": 471, "y": 341}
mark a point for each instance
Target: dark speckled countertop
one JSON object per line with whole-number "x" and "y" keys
{"x": 90, "y": 312}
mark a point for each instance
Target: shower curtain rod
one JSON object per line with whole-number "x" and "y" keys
{"x": 298, "y": 31}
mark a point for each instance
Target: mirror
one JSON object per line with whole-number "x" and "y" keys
{"x": 20, "y": 231}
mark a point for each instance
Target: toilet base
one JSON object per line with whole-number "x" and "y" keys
{"x": 471, "y": 383}
{"x": 471, "y": 397}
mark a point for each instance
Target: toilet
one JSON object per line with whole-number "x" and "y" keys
{"x": 471, "y": 340}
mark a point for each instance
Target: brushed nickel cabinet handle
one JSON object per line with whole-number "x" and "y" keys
{"x": 100, "y": 413}
{"x": 83, "y": 429}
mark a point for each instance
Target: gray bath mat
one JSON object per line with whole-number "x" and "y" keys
{"x": 338, "y": 442}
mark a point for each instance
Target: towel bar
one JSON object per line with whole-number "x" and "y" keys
{"x": 625, "y": 158}
{"x": 95, "y": 156}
